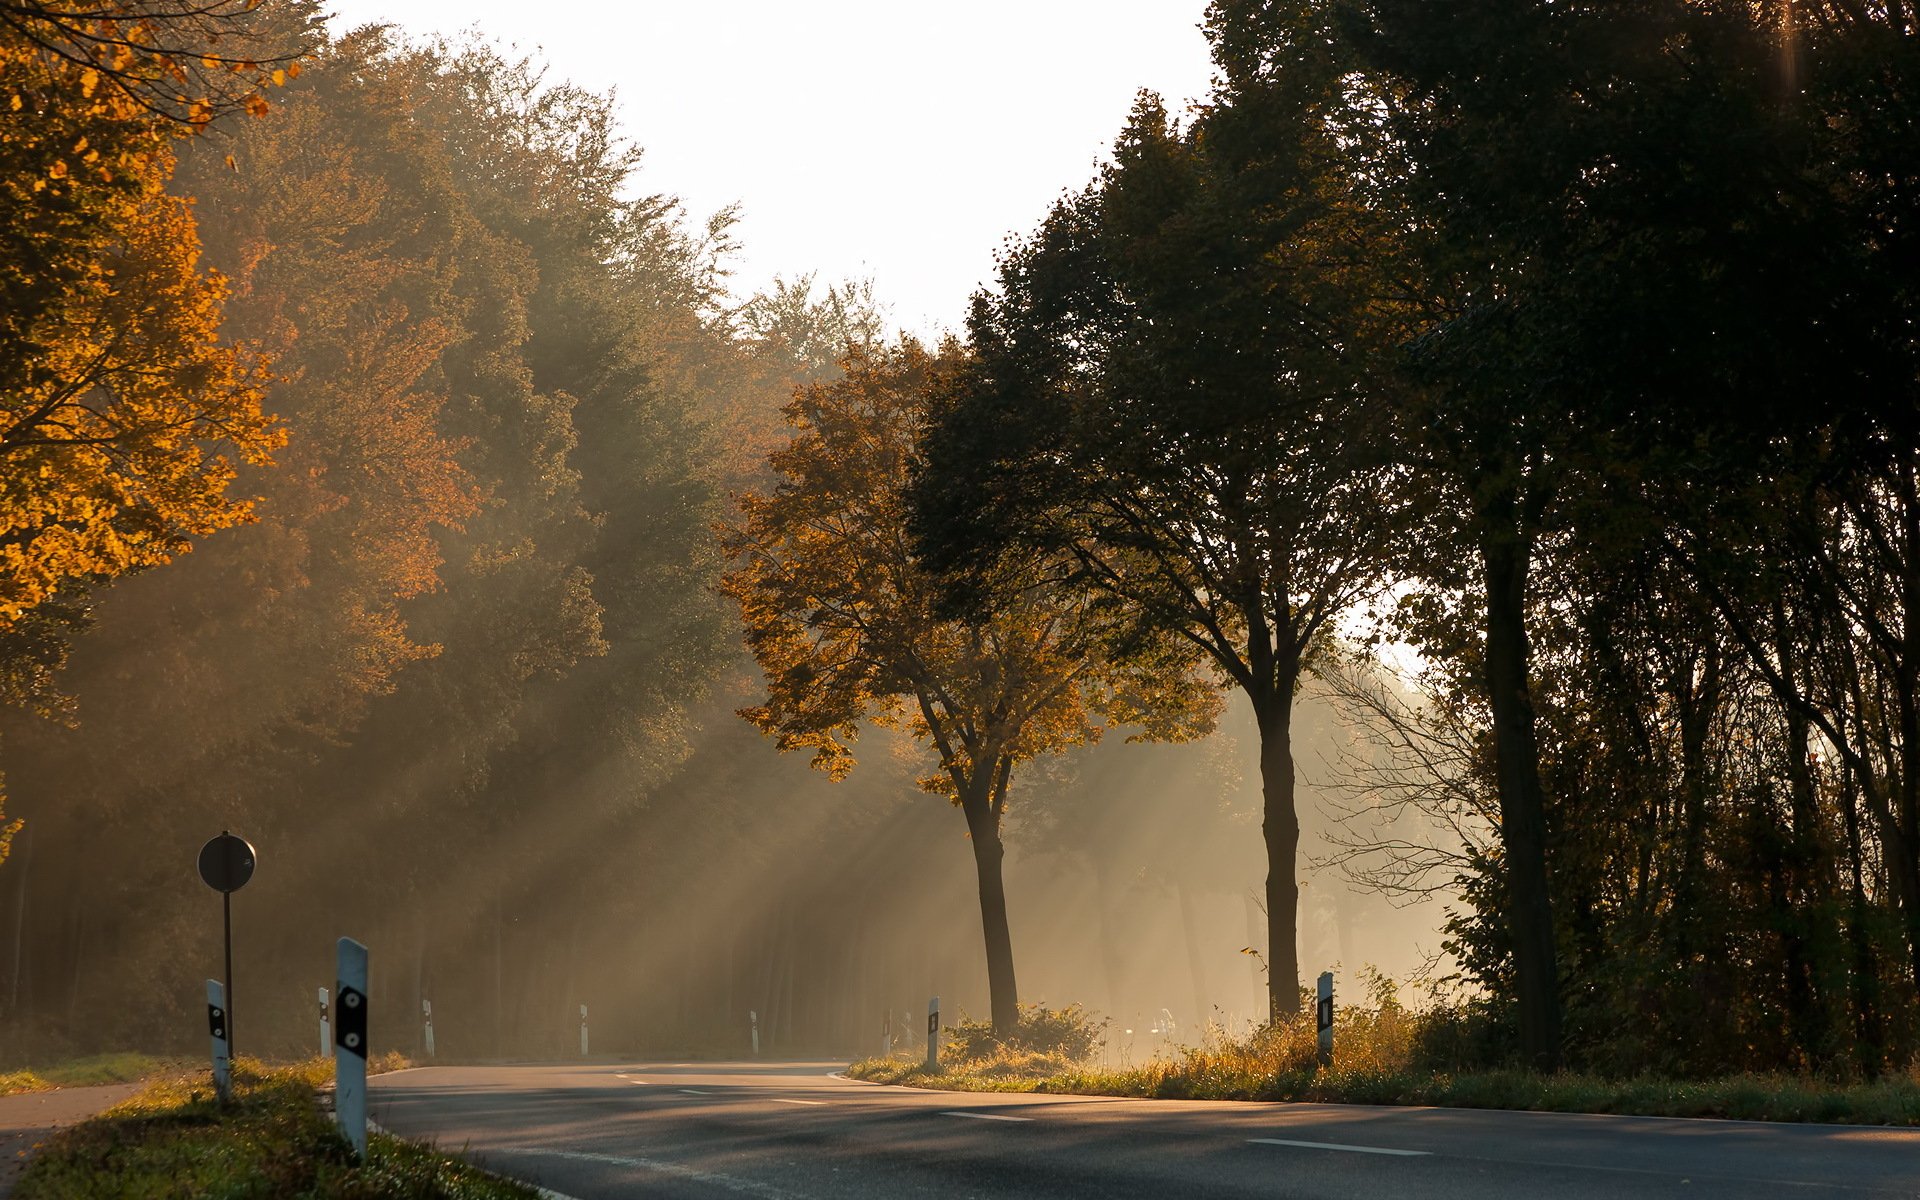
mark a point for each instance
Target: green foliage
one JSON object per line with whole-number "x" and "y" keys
{"x": 83, "y": 1072}
{"x": 1070, "y": 1034}
{"x": 175, "y": 1139}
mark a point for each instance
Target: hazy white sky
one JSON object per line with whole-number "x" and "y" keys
{"x": 883, "y": 138}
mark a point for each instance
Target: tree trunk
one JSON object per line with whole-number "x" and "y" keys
{"x": 1003, "y": 994}
{"x": 1281, "y": 827}
{"x": 19, "y": 925}
{"x": 1867, "y": 1033}
{"x": 1522, "y": 800}
{"x": 1808, "y": 927}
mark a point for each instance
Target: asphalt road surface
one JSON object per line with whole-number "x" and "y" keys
{"x": 787, "y": 1131}
{"x": 26, "y": 1119}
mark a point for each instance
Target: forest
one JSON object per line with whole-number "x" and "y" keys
{"x": 1448, "y": 502}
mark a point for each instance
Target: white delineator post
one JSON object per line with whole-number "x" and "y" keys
{"x": 583, "y": 1031}
{"x": 753, "y": 1019}
{"x": 217, "y": 1026}
{"x": 350, "y": 1045}
{"x": 933, "y": 1034}
{"x": 426, "y": 1015}
{"x": 1323, "y": 1018}
{"x": 326, "y": 1030}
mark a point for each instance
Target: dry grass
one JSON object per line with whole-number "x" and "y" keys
{"x": 1383, "y": 1055}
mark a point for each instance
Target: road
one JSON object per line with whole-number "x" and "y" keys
{"x": 788, "y": 1131}
{"x": 26, "y": 1120}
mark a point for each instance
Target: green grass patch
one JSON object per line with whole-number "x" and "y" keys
{"x": 175, "y": 1140}
{"x": 86, "y": 1072}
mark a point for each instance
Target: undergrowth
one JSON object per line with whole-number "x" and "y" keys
{"x": 1385, "y": 1053}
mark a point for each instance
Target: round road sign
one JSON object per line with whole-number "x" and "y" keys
{"x": 226, "y": 863}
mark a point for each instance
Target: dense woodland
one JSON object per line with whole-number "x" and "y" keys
{"x": 385, "y": 474}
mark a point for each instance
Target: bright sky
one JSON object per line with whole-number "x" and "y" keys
{"x": 884, "y": 138}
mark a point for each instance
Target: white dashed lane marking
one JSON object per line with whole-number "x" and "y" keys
{"x": 1338, "y": 1146}
{"x": 983, "y": 1116}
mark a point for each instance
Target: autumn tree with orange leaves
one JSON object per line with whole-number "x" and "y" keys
{"x": 850, "y": 630}
{"x": 123, "y": 415}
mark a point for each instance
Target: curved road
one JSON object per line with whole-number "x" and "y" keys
{"x": 789, "y": 1131}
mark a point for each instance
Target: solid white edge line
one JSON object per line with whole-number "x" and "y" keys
{"x": 544, "y": 1193}
{"x": 982, "y": 1116}
{"x": 695, "y": 1092}
{"x": 784, "y": 1100}
{"x": 1340, "y": 1146}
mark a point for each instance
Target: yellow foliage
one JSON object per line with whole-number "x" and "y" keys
{"x": 121, "y": 410}
{"x": 848, "y": 627}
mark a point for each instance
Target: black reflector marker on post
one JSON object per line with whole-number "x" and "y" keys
{"x": 1323, "y": 1018}
{"x": 933, "y": 1034}
{"x": 217, "y": 1028}
{"x": 350, "y": 1044}
{"x": 226, "y": 863}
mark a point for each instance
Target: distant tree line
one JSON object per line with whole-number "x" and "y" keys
{"x": 462, "y": 405}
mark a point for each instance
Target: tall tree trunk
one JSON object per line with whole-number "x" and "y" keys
{"x": 1867, "y": 1033}
{"x": 1002, "y": 992}
{"x": 1280, "y": 825}
{"x": 1906, "y": 674}
{"x": 19, "y": 927}
{"x": 1808, "y": 925}
{"x": 1505, "y": 557}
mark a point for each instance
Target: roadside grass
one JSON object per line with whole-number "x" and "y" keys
{"x": 85, "y": 1072}
{"x": 1387, "y": 1054}
{"x": 1888, "y": 1101}
{"x": 175, "y": 1141}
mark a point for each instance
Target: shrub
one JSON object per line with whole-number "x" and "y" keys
{"x": 1069, "y": 1034}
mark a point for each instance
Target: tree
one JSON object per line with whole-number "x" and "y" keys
{"x": 846, "y": 625}
{"x": 1170, "y": 388}
{"x": 122, "y": 412}
{"x": 181, "y": 62}
{"x": 117, "y": 391}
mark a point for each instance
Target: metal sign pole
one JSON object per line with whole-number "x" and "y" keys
{"x": 219, "y": 1028}
{"x": 226, "y": 919}
{"x": 350, "y": 1045}
{"x": 933, "y": 1034}
{"x": 226, "y": 863}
